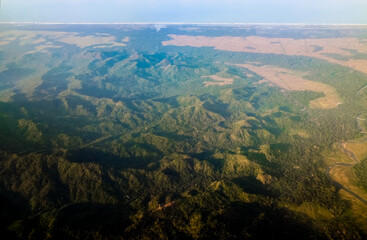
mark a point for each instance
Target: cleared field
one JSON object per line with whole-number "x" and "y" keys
{"x": 293, "y": 81}
{"x": 357, "y": 64}
{"x": 86, "y": 41}
{"x": 358, "y": 210}
{"x": 341, "y": 171}
{"x": 217, "y": 80}
{"x": 312, "y": 210}
{"x": 39, "y": 40}
{"x": 319, "y": 48}
{"x": 358, "y": 148}
{"x": 336, "y": 155}
{"x": 344, "y": 175}
{"x": 35, "y": 37}
{"x": 43, "y": 48}
{"x": 126, "y": 39}
{"x": 4, "y": 43}
{"x": 299, "y": 132}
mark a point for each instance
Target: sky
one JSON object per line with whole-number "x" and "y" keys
{"x": 185, "y": 11}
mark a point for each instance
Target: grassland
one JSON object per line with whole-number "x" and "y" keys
{"x": 217, "y": 80}
{"x": 336, "y": 155}
{"x": 73, "y": 38}
{"x": 319, "y": 48}
{"x": 358, "y": 148}
{"x": 358, "y": 210}
{"x": 341, "y": 171}
{"x": 344, "y": 175}
{"x": 293, "y": 81}
{"x": 311, "y": 210}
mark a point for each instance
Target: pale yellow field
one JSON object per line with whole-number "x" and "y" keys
{"x": 336, "y": 155}
{"x": 358, "y": 210}
{"x": 358, "y": 148}
{"x": 299, "y": 132}
{"x": 126, "y": 39}
{"x": 86, "y": 41}
{"x": 217, "y": 80}
{"x": 344, "y": 175}
{"x": 35, "y": 37}
{"x": 4, "y": 43}
{"x": 312, "y": 210}
{"x": 293, "y": 81}
{"x": 39, "y": 40}
{"x": 286, "y": 46}
{"x": 42, "y": 48}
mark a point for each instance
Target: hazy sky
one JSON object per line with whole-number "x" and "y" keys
{"x": 246, "y": 11}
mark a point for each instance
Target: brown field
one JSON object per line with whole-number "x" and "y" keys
{"x": 358, "y": 148}
{"x": 4, "y": 43}
{"x": 287, "y": 46}
{"x": 126, "y": 39}
{"x": 86, "y": 41}
{"x": 312, "y": 210}
{"x": 217, "y": 80}
{"x": 6, "y": 95}
{"x": 336, "y": 155}
{"x": 344, "y": 175}
{"x": 300, "y": 132}
{"x": 39, "y": 40}
{"x": 10, "y": 38}
{"x": 43, "y": 48}
{"x": 358, "y": 210}
{"x": 293, "y": 81}
{"x": 35, "y": 37}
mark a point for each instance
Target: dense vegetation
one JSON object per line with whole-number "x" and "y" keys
{"x": 128, "y": 142}
{"x": 360, "y": 171}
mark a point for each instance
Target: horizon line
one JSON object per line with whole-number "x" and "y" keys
{"x": 183, "y": 23}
